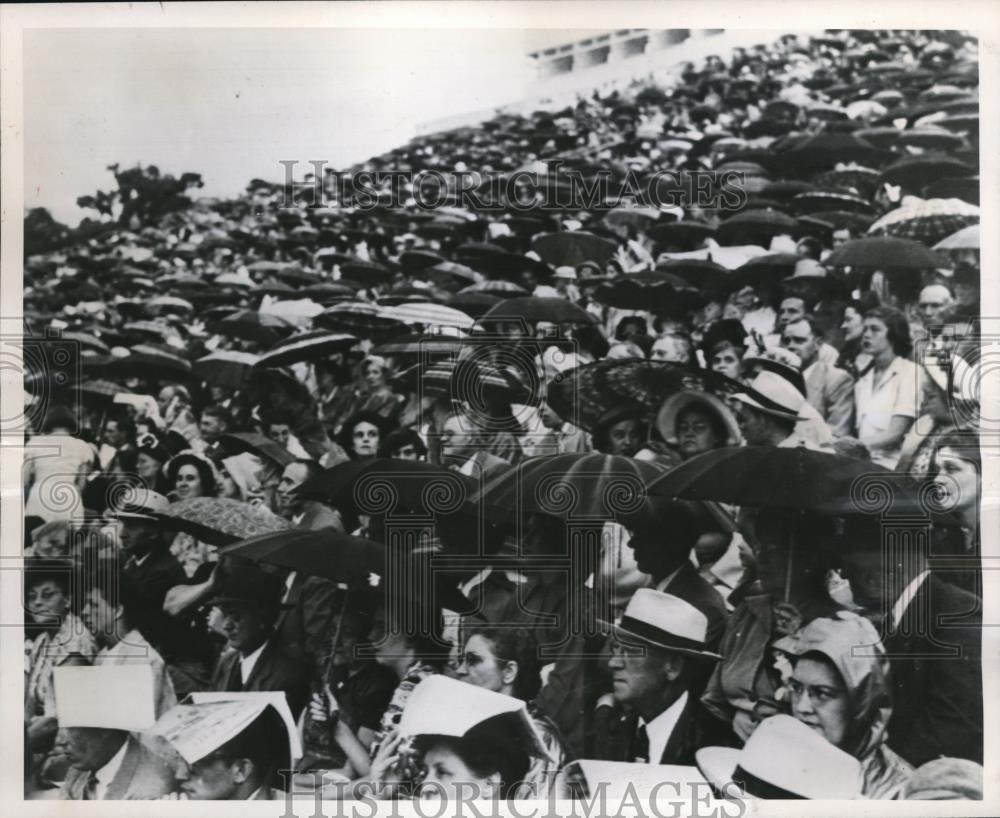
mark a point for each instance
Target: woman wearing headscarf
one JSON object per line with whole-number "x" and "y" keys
{"x": 839, "y": 688}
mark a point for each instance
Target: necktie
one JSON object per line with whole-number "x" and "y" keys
{"x": 640, "y": 745}
{"x": 90, "y": 791}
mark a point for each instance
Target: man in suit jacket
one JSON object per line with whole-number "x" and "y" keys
{"x": 829, "y": 390}
{"x": 651, "y": 716}
{"x": 249, "y": 602}
{"x": 111, "y": 765}
{"x": 932, "y": 633}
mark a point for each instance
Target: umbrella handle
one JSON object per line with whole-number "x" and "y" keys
{"x": 336, "y": 637}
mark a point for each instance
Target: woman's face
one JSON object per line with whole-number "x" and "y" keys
{"x": 481, "y": 667}
{"x": 851, "y": 324}
{"x": 188, "y": 483}
{"x": 47, "y": 603}
{"x": 819, "y": 698}
{"x": 625, "y": 437}
{"x": 148, "y": 468}
{"x": 374, "y": 375}
{"x": 957, "y": 479}
{"x": 228, "y": 487}
{"x": 875, "y": 337}
{"x": 695, "y": 433}
{"x": 365, "y": 439}
{"x": 727, "y": 361}
{"x": 448, "y": 778}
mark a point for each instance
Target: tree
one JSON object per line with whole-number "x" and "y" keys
{"x": 143, "y": 195}
{"x": 42, "y": 233}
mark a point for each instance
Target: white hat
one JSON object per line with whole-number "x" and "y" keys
{"x": 115, "y": 697}
{"x": 139, "y": 504}
{"x": 440, "y": 706}
{"x": 772, "y": 394}
{"x": 666, "y": 418}
{"x": 664, "y": 621}
{"x": 783, "y": 759}
{"x": 566, "y": 272}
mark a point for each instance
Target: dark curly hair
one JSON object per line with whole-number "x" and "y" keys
{"x": 346, "y": 436}
{"x": 208, "y": 486}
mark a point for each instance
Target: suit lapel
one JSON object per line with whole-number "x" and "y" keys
{"x": 118, "y": 788}
{"x": 259, "y": 673}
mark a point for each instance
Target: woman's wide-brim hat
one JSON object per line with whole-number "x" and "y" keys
{"x": 675, "y": 405}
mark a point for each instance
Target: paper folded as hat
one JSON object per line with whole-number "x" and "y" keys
{"x": 198, "y": 729}
{"x": 115, "y": 697}
{"x": 440, "y": 706}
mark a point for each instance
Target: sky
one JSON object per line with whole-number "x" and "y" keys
{"x": 231, "y": 103}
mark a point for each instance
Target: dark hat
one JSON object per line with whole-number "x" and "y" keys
{"x": 729, "y": 330}
{"x": 246, "y": 586}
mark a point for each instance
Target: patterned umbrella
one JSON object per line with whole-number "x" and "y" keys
{"x": 885, "y": 253}
{"x": 222, "y": 521}
{"x": 306, "y": 347}
{"x": 573, "y": 248}
{"x": 926, "y": 220}
{"x": 228, "y": 369}
{"x": 965, "y": 239}
{"x": 359, "y": 318}
{"x": 429, "y": 315}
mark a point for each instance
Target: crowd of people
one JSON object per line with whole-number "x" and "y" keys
{"x": 397, "y": 503}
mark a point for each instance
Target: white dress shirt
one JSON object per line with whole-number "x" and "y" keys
{"x": 906, "y": 597}
{"x": 109, "y": 771}
{"x": 662, "y": 727}
{"x": 247, "y": 663}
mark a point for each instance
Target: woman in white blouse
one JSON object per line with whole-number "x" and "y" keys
{"x": 887, "y": 396}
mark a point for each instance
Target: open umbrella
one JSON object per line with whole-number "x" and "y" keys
{"x": 221, "y": 521}
{"x": 578, "y": 487}
{"x": 150, "y": 365}
{"x": 450, "y": 274}
{"x": 170, "y": 302}
{"x": 228, "y": 369}
{"x": 251, "y": 325}
{"x": 699, "y": 273}
{"x": 926, "y": 220}
{"x": 792, "y": 478}
{"x": 885, "y": 253}
{"x": 821, "y": 200}
{"x": 429, "y": 315}
{"x": 533, "y": 310}
{"x": 851, "y": 176}
{"x": 308, "y": 346}
{"x": 916, "y": 172}
{"x": 234, "y": 443}
{"x": 87, "y": 341}
{"x": 474, "y": 304}
{"x": 930, "y": 138}
{"x": 763, "y": 270}
{"x": 641, "y": 218}
{"x": 826, "y": 149}
{"x": 755, "y": 227}
{"x": 499, "y": 287}
{"x": 359, "y": 318}
{"x": 573, "y": 248}
{"x": 684, "y": 235}
{"x": 965, "y": 239}
{"x": 655, "y": 291}
{"x": 423, "y": 345}
{"x": 367, "y": 272}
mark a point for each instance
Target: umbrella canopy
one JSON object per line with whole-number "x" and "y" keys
{"x": 228, "y": 369}
{"x": 499, "y": 287}
{"x": 755, "y": 227}
{"x": 306, "y": 347}
{"x": 916, "y": 172}
{"x": 474, "y": 304}
{"x": 449, "y": 274}
{"x": 697, "y": 272}
{"x": 849, "y": 177}
{"x": 87, "y": 341}
{"x": 323, "y": 552}
{"x": 930, "y": 138}
{"x": 796, "y": 478}
{"x": 359, "y": 318}
{"x": 654, "y": 291}
{"x": 965, "y": 239}
{"x": 251, "y": 325}
{"x": 685, "y": 235}
{"x": 429, "y": 315}
{"x": 107, "y": 389}
{"x": 573, "y": 486}
{"x": 926, "y": 220}
{"x": 222, "y": 521}
{"x": 431, "y": 345}
{"x": 533, "y": 310}
{"x": 823, "y": 200}
{"x": 170, "y": 302}
{"x": 642, "y": 218}
{"x": 826, "y": 149}
{"x": 234, "y": 443}
{"x": 763, "y": 270}
{"x": 149, "y": 365}
{"x": 885, "y": 253}
{"x": 367, "y": 272}
{"x": 573, "y": 248}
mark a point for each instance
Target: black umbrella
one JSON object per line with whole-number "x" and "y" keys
{"x": 534, "y": 310}
{"x": 308, "y": 346}
{"x": 655, "y": 291}
{"x": 684, "y": 235}
{"x": 755, "y": 227}
{"x": 251, "y": 325}
{"x": 916, "y": 172}
{"x": 573, "y": 248}
{"x": 885, "y": 253}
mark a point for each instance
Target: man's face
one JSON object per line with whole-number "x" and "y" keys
{"x": 134, "y": 535}
{"x": 753, "y": 426}
{"x": 279, "y": 433}
{"x": 933, "y": 301}
{"x": 113, "y": 435}
{"x": 841, "y": 237}
{"x": 98, "y": 615}
{"x": 653, "y": 553}
{"x": 671, "y": 348}
{"x": 791, "y": 309}
{"x": 164, "y": 397}
{"x": 798, "y": 338}
{"x": 293, "y": 476}
{"x": 865, "y": 569}
{"x": 637, "y": 674}
{"x": 407, "y": 452}
{"x": 211, "y": 779}
{"x": 456, "y": 438}
{"x": 90, "y": 748}
{"x": 244, "y": 628}
{"x": 211, "y": 427}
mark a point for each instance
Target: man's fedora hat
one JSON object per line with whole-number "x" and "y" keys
{"x": 663, "y": 621}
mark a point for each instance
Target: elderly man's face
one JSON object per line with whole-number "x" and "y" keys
{"x": 933, "y": 301}
{"x": 90, "y": 748}
{"x": 245, "y": 629}
{"x": 638, "y": 674}
{"x": 671, "y": 348}
{"x": 791, "y": 309}
{"x": 456, "y": 437}
{"x": 211, "y": 427}
{"x": 292, "y": 477}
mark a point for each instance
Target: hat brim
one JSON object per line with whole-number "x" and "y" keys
{"x": 666, "y": 418}
{"x": 625, "y": 635}
{"x": 132, "y": 515}
{"x": 749, "y": 401}
{"x": 718, "y": 764}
